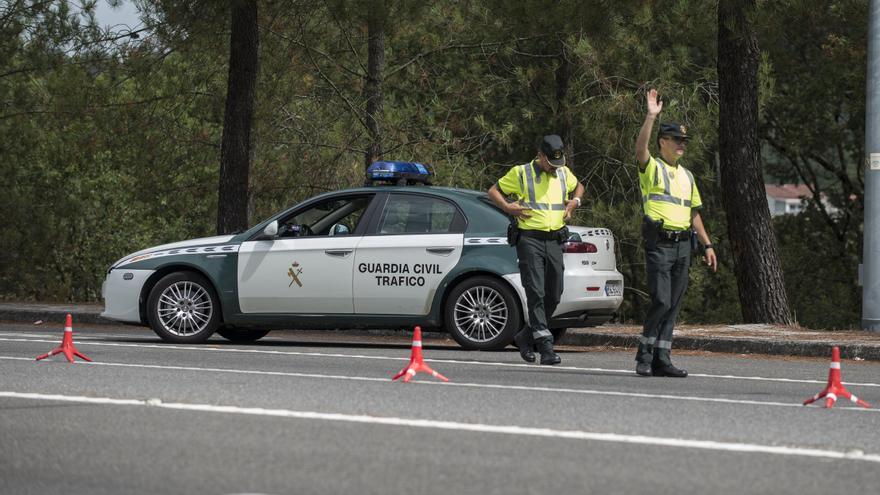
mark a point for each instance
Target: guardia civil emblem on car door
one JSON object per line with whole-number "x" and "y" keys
{"x": 294, "y": 272}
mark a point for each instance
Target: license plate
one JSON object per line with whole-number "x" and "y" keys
{"x": 613, "y": 290}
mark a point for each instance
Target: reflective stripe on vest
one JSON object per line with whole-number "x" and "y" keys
{"x": 563, "y": 182}
{"x": 530, "y": 181}
{"x": 668, "y": 198}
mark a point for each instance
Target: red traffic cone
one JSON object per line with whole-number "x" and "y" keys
{"x": 67, "y": 346}
{"x": 416, "y": 362}
{"x": 835, "y": 389}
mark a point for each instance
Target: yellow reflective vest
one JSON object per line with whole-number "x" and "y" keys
{"x": 669, "y": 193}
{"x": 545, "y": 193}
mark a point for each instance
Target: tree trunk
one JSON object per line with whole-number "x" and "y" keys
{"x": 755, "y": 255}
{"x": 373, "y": 87}
{"x": 235, "y": 147}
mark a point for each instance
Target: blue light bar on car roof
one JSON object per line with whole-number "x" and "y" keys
{"x": 400, "y": 173}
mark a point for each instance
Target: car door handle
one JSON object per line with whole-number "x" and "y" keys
{"x": 442, "y": 251}
{"x": 341, "y": 253}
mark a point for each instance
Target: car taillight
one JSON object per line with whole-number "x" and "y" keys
{"x": 579, "y": 247}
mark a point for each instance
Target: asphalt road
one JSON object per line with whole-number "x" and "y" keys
{"x": 314, "y": 413}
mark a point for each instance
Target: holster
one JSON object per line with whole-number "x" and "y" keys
{"x": 695, "y": 243}
{"x": 650, "y": 231}
{"x": 562, "y": 235}
{"x": 513, "y": 232}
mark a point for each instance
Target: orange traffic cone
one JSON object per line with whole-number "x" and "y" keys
{"x": 67, "y": 346}
{"x": 835, "y": 388}
{"x": 416, "y": 362}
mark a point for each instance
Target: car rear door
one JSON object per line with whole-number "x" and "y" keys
{"x": 414, "y": 242}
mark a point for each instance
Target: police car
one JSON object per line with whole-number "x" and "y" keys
{"x": 378, "y": 256}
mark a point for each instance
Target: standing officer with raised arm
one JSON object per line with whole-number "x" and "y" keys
{"x": 671, "y": 202}
{"x": 542, "y": 189}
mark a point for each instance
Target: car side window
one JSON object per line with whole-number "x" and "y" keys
{"x": 332, "y": 217}
{"x": 412, "y": 214}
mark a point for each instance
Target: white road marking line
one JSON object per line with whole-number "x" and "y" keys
{"x": 519, "y": 388}
{"x": 77, "y": 334}
{"x": 213, "y": 348}
{"x": 470, "y": 427}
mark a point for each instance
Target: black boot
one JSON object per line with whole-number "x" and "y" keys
{"x": 545, "y": 347}
{"x": 523, "y": 341}
{"x": 667, "y": 370}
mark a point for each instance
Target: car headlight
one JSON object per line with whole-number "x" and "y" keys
{"x": 139, "y": 258}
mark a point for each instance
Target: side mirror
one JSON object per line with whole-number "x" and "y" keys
{"x": 339, "y": 229}
{"x": 271, "y": 230}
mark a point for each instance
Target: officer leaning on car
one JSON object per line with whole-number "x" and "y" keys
{"x": 671, "y": 219}
{"x": 545, "y": 193}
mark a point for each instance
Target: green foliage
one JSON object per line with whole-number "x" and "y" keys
{"x": 821, "y": 273}
{"x": 813, "y": 116}
{"x": 100, "y": 160}
{"x": 112, "y": 144}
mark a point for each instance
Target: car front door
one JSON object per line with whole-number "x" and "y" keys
{"x": 307, "y": 268}
{"x": 417, "y": 240}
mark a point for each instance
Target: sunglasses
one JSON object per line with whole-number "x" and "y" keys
{"x": 677, "y": 139}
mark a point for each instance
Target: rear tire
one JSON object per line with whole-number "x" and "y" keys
{"x": 482, "y": 313}
{"x": 183, "y": 308}
{"x": 241, "y": 335}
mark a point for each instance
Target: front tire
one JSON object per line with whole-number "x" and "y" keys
{"x": 183, "y": 308}
{"x": 481, "y": 313}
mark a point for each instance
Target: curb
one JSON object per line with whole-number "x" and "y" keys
{"x": 47, "y": 314}
{"x": 734, "y": 346}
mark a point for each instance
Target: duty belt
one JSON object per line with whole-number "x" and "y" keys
{"x": 541, "y": 234}
{"x": 674, "y": 235}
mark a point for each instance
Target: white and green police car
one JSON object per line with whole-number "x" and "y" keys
{"x": 379, "y": 256}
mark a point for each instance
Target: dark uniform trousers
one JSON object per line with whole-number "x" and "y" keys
{"x": 667, "y": 265}
{"x": 541, "y": 272}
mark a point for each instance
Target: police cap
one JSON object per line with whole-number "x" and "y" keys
{"x": 552, "y": 147}
{"x": 673, "y": 129}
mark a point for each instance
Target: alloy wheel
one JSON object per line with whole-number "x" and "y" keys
{"x": 185, "y": 308}
{"x": 480, "y": 313}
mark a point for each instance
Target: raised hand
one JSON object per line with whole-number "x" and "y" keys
{"x": 654, "y": 103}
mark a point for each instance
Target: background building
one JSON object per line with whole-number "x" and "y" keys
{"x": 787, "y": 199}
